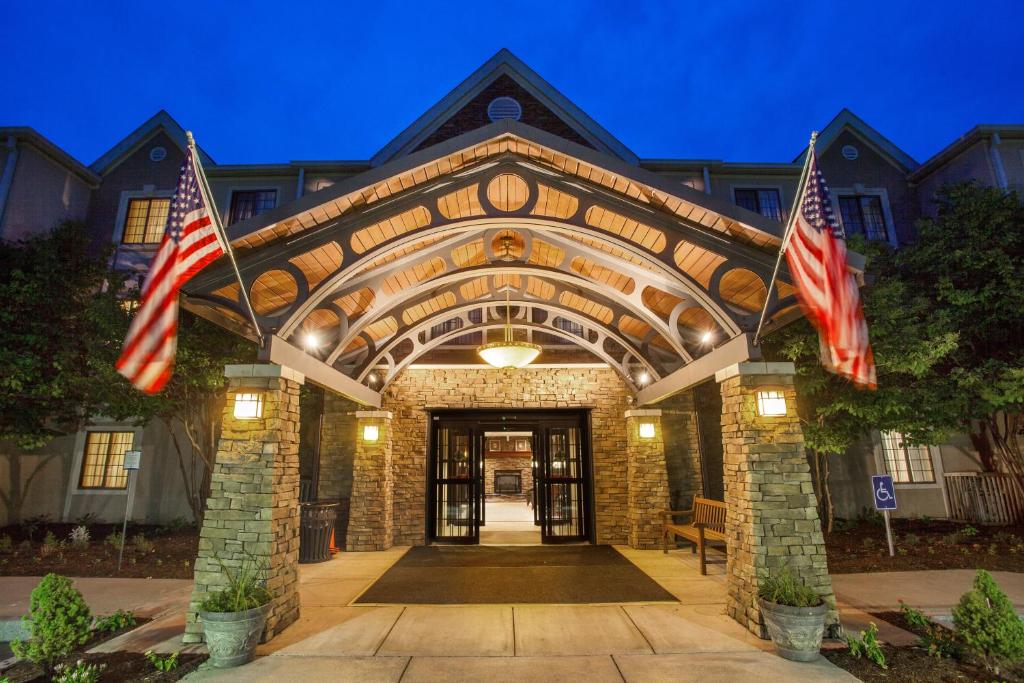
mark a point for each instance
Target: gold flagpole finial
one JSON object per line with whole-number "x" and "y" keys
{"x": 814, "y": 137}
{"x": 188, "y": 138}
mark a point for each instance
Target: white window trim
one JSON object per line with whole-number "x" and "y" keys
{"x": 226, "y": 214}
{"x": 148, "y": 192}
{"x": 75, "y": 476}
{"x": 936, "y": 456}
{"x": 881, "y": 192}
{"x": 761, "y": 186}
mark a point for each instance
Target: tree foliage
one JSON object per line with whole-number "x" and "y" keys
{"x": 62, "y": 326}
{"x": 947, "y": 329}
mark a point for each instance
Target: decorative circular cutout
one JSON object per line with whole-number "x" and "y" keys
{"x": 744, "y": 289}
{"x": 508, "y": 192}
{"x": 850, "y": 153}
{"x": 273, "y": 292}
{"x": 158, "y": 154}
{"x": 504, "y": 108}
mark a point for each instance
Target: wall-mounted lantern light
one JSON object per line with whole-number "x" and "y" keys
{"x": 371, "y": 433}
{"x": 771, "y": 403}
{"x": 646, "y": 430}
{"x": 248, "y": 406}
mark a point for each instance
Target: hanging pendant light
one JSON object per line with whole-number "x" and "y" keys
{"x": 508, "y": 353}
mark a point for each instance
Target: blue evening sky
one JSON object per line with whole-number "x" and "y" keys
{"x": 742, "y": 81}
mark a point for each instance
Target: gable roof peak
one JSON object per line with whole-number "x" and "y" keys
{"x": 846, "y": 119}
{"x": 155, "y": 123}
{"x": 503, "y": 63}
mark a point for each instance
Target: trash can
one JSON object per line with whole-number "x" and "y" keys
{"x": 315, "y": 526}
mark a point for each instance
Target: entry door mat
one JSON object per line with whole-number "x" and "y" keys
{"x": 481, "y": 575}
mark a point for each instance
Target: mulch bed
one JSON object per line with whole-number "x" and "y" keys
{"x": 119, "y": 666}
{"x": 860, "y": 546}
{"x": 171, "y": 556}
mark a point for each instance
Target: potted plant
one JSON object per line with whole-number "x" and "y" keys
{"x": 795, "y": 616}
{"x": 233, "y": 618}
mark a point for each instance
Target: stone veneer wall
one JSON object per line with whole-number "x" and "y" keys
{"x": 772, "y": 517}
{"x": 647, "y": 479}
{"x": 414, "y": 391}
{"x": 337, "y": 454}
{"x": 371, "y": 508}
{"x": 253, "y": 508}
{"x": 523, "y": 465}
{"x": 682, "y": 452}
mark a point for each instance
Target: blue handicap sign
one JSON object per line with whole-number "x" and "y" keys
{"x": 884, "y": 492}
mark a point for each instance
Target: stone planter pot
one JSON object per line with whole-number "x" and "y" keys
{"x": 231, "y": 637}
{"x": 796, "y": 631}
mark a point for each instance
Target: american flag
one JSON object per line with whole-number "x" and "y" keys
{"x": 190, "y": 241}
{"x": 827, "y": 291}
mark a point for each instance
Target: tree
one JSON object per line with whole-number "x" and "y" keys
{"x": 63, "y": 320}
{"x": 944, "y": 315}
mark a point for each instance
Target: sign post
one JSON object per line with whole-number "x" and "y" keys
{"x": 132, "y": 460}
{"x": 885, "y": 500}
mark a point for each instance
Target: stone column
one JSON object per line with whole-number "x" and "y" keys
{"x": 371, "y": 512}
{"x": 646, "y": 478}
{"x": 253, "y": 508}
{"x": 772, "y": 518}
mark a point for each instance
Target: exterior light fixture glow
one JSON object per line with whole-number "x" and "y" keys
{"x": 508, "y": 353}
{"x": 771, "y": 403}
{"x": 248, "y": 406}
{"x": 646, "y": 430}
{"x": 372, "y": 378}
{"x": 706, "y": 337}
{"x": 371, "y": 433}
{"x": 311, "y": 341}
{"x": 644, "y": 378}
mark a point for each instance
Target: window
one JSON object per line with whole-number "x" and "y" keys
{"x": 146, "y": 220}
{"x": 569, "y": 326}
{"x": 862, "y": 215}
{"x": 251, "y": 203}
{"x": 907, "y": 464}
{"x": 763, "y": 201}
{"x": 475, "y": 315}
{"x": 103, "y": 460}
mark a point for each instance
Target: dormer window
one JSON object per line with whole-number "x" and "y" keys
{"x": 145, "y": 220}
{"x": 862, "y": 215}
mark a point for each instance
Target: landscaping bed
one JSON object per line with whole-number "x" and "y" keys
{"x": 908, "y": 665}
{"x": 860, "y": 546}
{"x": 36, "y": 548}
{"x": 117, "y": 667}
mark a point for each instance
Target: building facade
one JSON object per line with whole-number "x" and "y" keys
{"x": 375, "y": 280}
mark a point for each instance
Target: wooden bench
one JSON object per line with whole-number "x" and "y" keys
{"x": 707, "y": 523}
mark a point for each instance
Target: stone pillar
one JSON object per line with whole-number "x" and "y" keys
{"x": 253, "y": 509}
{"x": 772, "y": 517}
{"x": 646, "y": 478}
{"x": 371, "y": 511}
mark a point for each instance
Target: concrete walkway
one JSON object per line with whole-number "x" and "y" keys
{"x": 690, "y": 641}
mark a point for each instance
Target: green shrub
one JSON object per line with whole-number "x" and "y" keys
{"x": 6, "y": 546}
{"x": 51, "y": 546}
{"x": 79, "y": 673}
{"x": 115, "y": 540}
{"x": 117, "y": 621}
{"x": 867, "y": 646}
{"x": 58, "y": 620}
{"x": 988, "y": 626}
{"x": 911, "y": 539}
{"x": 937, "y": 640}
{"x": 784, "y": 589}
{"x": 247, "y": 588}
{"x": 164, "y": 664}
{"x": 142, "y": 544}
{"x": 79, "y": 537}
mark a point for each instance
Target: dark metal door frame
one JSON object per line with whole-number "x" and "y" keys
{"x": 540, "y": 421}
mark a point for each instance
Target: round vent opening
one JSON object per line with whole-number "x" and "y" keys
{"x": 850, "y": 153}
{"x": 504, "y": 108}
{"x": 157, "y": 154}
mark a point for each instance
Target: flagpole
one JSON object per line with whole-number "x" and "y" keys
{"x": 788, "y": 233}
{"x": 208, "y": 196}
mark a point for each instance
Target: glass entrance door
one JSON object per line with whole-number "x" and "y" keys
{"x": 457, "y": 484}
{"x": 561, "y": 484}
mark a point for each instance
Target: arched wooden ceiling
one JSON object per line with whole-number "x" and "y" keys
{"x": 645, "y": 273}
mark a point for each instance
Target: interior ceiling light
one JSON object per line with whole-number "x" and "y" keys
{"x": 508, "y": 353}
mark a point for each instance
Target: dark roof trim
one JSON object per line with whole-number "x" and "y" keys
{"x": 504, "y": 62}
{"x": 159, "y": 121}
{"x": 847, "y": 119}
{"x": 972, "y": 136}
{"x": 51, "y": 150}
